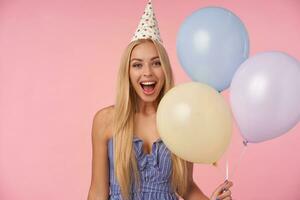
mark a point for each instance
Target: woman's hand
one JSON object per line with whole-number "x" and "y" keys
{"x": 222, "y": 192}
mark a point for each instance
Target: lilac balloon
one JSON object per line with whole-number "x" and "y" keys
{"x": 265, "y": 96}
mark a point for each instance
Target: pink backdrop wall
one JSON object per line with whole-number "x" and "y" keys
{"x": 58, "y": 64}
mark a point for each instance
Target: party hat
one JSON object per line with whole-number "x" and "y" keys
{"x": 148, "y": 26}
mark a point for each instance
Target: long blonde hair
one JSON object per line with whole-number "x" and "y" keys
{"x": 125, "y": 107}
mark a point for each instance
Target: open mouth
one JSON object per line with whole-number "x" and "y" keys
{"x": 148, "y": 87}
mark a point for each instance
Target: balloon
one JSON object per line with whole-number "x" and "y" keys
{"x": 194, "y": 122}
{"x": 211, "y": 44}
{"x": 265, "y": 96}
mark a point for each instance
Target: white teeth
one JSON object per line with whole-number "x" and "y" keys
{"x": 148, "y": 83}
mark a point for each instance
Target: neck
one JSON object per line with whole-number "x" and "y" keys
{"x": 147, "y": 108}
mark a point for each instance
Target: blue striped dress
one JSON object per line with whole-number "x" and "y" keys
{"x": 155, "y": 172}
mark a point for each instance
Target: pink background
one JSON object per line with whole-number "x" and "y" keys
{"x": 58, "y": 65}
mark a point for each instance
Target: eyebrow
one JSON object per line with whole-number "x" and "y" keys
{"x": 142, "y": 60}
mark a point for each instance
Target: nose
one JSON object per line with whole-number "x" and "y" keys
{"x": 147, "y": 70}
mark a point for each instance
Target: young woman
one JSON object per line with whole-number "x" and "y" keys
{"x": 130, "y": 161}
{"x": 129, "y": 158}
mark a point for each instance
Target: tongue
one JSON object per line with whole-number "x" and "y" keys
{"x": 148, "y": 88}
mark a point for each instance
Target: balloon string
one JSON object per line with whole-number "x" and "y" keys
{"x": 240, "y": 158}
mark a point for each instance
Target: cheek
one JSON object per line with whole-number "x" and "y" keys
{"x": 161, "y": 76}
{"x": 133, "y": 79}
{"x": 132, "y": 76}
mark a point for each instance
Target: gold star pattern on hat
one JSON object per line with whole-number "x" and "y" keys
{"x": 148, "y": 26}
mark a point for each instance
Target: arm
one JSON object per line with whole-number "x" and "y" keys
{"x": 194, "y": 192}
{"x": 99, "y": 188}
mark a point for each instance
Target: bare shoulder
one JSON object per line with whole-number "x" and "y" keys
{"x": 102, "y": 123}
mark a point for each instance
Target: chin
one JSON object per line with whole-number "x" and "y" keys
{"x": 148, "y": 98}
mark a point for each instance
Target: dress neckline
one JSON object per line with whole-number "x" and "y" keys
{"x": 136, "y": 138}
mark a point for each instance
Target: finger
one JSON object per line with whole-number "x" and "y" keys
{"x": 222, "y": 186}
{"x": 225, "y": 194}
{"x": 227, "y": 198}
{"x": 228, "y": 185}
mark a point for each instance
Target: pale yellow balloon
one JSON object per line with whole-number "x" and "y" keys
{"x": 194, "y": 122}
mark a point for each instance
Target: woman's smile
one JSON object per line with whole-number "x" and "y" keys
{"x": 148, "y": 87}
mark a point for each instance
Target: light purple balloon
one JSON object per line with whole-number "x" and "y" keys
{"x": 265, "y": 96}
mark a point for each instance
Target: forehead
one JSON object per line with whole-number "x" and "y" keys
{"x": 144, "y": 51}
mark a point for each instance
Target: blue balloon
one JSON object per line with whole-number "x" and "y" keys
{"x": 211, "y": 44}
